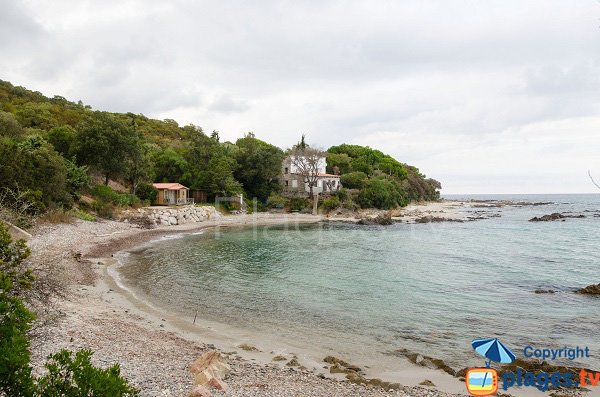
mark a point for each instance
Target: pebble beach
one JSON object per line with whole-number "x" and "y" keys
{"x": 153, "y": 350}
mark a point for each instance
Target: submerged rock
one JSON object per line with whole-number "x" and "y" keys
{"x": 593, "y": 289}
{"x": 248, "y": 348}
{"x": 544, "y": 291}
{"x": 341, "y": 364}
{"x": 555, "y": 216}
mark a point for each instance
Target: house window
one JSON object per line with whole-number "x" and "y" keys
{"x": 286, "y": 170}
{"x": 287, "y": 183}
{"x": 294, "y": 183}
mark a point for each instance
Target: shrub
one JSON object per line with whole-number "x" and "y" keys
{"x": 343, "y": 194}
{"x": 74, "y": 376}
{"x": 105, "y": 194}
{"x": 276, "y": 201}
{"x": 55, "y": 216}
{"x": 146, "y": 192}
{"x": 331, "y": 203}
{"x": 354, "y": 180}
{"x": 380, "y": 193}
{"x": 103, "y": 210}
{"x": 84, "y": 216}
{"x": 68, "y": 376}
{"x": 298, "y": 203}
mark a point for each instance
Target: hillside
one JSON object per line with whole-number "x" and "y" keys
{"x": 53, "y": 149}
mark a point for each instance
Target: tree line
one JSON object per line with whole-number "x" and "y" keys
{"x": 52, "y": 150}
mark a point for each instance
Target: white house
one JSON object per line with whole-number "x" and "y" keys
{"x": 295, "y": 183}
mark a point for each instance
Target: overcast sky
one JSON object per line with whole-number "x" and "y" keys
{"x": 485, "y": 96}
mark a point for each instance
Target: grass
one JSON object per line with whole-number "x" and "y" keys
{"x": 84, "y": 216}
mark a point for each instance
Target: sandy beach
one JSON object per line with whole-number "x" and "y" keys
{"x": 155, "y": 348}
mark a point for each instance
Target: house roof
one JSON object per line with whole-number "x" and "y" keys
{"x": 169, "y": 186}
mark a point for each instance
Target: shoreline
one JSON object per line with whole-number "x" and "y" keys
{"x": 98, "y": 303}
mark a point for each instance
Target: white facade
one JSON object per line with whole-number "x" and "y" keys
{"x": 293, "y": 181}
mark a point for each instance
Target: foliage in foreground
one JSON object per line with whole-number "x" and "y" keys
{"x": 69, "y": 375}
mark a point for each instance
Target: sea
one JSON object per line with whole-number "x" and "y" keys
{"x": 360, "y": 292}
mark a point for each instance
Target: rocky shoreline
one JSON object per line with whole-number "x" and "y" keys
{"x": 155, "y": 352}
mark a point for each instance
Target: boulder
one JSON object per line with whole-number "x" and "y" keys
{"x": 172, "y": 220}
{"x": 200, "y": 391}
{"x": 381, "y": 219}
{"x": 593, "y": 289}
{"x": 555, "y": 216}
{"x": 210, "y": 365}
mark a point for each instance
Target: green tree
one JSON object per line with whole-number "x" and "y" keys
{"x": 63, "y": 139}
{"x": 34, "y": 165}
{"x": 342, "y": 161}
{"x": 210, "y": 165}
{"x": 354, "y": 180}
{"x": 169, "y": 166}
{"x": 77, "y": 177}
{"x": 9, "y": 126}
{"x": 258, "y": 167}
{"x": 105, "y": 143}
{"x": 381, "y": 193}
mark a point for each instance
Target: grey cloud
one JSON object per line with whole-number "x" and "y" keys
{"x": 410, "y": 78}
{"x": 227, "y": 104}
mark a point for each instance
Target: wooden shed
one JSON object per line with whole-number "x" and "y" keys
{"x": 172, "y": 194}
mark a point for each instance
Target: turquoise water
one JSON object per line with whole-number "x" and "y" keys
{"x": 362, "y": 290}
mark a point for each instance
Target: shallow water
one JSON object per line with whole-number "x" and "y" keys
{"x": 361, "y": 291}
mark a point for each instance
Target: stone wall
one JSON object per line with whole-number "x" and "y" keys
{"x": 177, "y": 215}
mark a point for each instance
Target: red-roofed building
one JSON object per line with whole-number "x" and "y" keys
{"x": 172, "y": 194}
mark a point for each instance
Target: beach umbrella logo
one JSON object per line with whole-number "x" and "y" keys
{"x": 484, "y": 381}
{"x": 493, "y": 350}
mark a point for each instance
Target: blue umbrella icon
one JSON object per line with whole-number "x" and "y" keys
{"x": 493, "y": 350}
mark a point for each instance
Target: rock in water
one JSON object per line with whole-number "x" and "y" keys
{"x": 209, "y": 366}
{"x": 381, "y": 219}
{"x": 200, "y": 391}
{"x": 593, "y": 289}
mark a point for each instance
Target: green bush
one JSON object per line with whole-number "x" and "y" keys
{"x": 103, "y": 210}
{"x": 331, "y": 203}
{"x": 146, "y": 192}
{"x": 105, "y": 194}
{"x": 75, "y": 376}
{"x": 343, "y": 194}
{"x": 276, "y": 201}
{"x": 84, "y": 216}
{"x": 354, "y": 180}
{"x": 68, "y": 376}
{"x": 298, "y": 203}
{"x": 380, "y": 193}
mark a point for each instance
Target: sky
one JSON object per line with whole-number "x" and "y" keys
{"x": 484, "y": 96}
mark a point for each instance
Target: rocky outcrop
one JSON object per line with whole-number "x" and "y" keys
{"x": 166, "y": 216}
{"x": 555, "y": 216}
{"x": 381, "y": 219}
{"x": 593, "y": 289}
{"x": 210, "y": 370}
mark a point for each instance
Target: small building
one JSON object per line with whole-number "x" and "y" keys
{"x": 172, "y": 194}
{"x": 294, "y": 182}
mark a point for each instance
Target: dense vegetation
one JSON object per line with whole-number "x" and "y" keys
{"x": 379, "y": 180}
{"x": 53, "y": 150}
{"x": 68, "y": 374}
